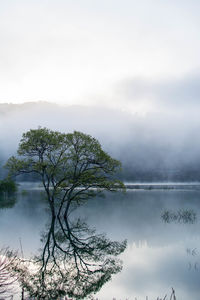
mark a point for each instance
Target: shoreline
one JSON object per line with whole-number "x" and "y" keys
{"x": 130, "y": 186}
{"x": 162, "y": 186}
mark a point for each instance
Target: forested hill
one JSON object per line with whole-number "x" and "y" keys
{"x": 154, "y": 147}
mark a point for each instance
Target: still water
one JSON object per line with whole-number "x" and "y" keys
{"x": 158, "y": 256}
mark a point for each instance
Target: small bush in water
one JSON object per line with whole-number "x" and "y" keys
{"x": 7, "y": 186}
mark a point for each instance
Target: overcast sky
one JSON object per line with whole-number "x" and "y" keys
{"x": 132, "y": 54}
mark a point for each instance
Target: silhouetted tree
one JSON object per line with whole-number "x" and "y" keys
{"x": 75, "y": 261}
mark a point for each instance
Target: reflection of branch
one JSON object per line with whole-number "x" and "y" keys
{"x": 7, "y": 279}
{"x": 173, "y": 296}
{"x": 74, "y": 260}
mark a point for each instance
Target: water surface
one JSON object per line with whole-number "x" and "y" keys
{"x": 159, "y": 255}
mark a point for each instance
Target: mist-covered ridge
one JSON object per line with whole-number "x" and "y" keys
{"x": 152, "y": 147}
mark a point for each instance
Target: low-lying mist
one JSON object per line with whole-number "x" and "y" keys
{"x": 158, "y": 146}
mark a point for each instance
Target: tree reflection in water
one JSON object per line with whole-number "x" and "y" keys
{"x": 7, "y": 201}
{"x": 7, "y": 257}
{"x": 74, "y": 261}
{"x": 73, "y": 168}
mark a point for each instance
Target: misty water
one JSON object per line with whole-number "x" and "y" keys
{"x": 158, "y": 256}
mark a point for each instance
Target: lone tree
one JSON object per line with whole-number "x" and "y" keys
{"x": 72, "y": 163}
{"x": 73, "y": 168}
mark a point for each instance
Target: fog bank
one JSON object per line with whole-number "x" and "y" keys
{"x": 157, "y": 146}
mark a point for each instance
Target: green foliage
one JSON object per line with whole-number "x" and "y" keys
{"x": 65, "y": 160}
{"x": 7, "y": 202}
{"x": 7, "y": 186}
{"x": 75, "y": 261}
{"x": 8, "y": 189}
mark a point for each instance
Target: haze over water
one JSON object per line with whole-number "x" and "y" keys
{"x": 159, "y": 255}
{"x": 127, "y": 73}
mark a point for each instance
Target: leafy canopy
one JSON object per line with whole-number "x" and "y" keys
{"x": 65, "y": 160}
{"x": 75, "y": 261}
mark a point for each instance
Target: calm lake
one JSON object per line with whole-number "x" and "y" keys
{"x": 158, "y": 256}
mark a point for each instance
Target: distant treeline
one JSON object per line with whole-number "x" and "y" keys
{"x": 149, "y": 151}
{"x": 160, "y": 175}
{"x": 132, "y": 174}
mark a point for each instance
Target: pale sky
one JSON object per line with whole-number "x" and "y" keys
{"x": 87, "y": 51}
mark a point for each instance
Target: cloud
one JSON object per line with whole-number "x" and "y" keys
{"x": 174, "y": 94}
